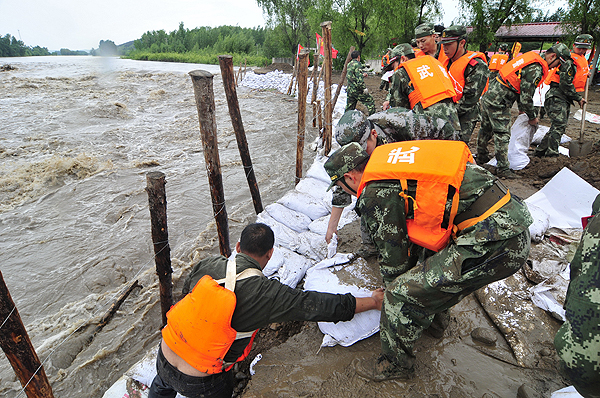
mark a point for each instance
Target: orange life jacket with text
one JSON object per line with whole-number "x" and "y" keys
{"x": 430, "y": 80}
{"x": 497, "y": 61}
{"x": 438, "y": 167}
{"x": 442, "y": 57}
{"x": 581, "y": 75}
{"x": 511, "y": 71}
{"x": 457, "y": 71}
{"x": 199, "y": 326}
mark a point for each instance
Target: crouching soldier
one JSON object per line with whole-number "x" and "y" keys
{"x": 444, "y": 227}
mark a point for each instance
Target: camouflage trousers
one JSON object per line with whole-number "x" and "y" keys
{"x": 467, "y": 125}
{"x": 494, "y": 123}
{"x": 558, "y": 112}
{"x": 439, "y": 282}
{"x": 366, "y": 99}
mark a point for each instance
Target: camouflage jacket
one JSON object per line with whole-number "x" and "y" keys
{"x": 501, "y": 96}
{"x": 382, "y": 210}
{"x": 565, "y": 89}
{"x": 476, "y": 78}
{"x": 356, "y": 82}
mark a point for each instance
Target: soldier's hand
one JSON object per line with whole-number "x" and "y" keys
{"x": 378, "y": 295}
{"x": 366, "y": 91}
{"x": 365, "y": 74}
{"x": 534, "y": 122}
{"x": 386, "y": 105}
{"x": 582, "y": 102}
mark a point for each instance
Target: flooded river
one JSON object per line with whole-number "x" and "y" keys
{"x": 77, "y": 137}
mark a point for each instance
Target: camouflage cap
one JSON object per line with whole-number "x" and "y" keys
{"x": 343, "y": 160}
{"x": 454, "y": 33}
{"x": 350, "y": 127}
{"x": 503, "y": 47}
{"x": 425, "y": 29}
{"x": 561, "y": 51}
{"x": 397, "y": 52}
{"x": 583, "y": 41}
{"x": 596, "y": 206}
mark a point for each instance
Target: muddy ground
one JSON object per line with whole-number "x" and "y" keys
{"x": 457, "y": 365}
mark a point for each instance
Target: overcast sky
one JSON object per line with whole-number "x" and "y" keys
{"x": 81, "y": 24}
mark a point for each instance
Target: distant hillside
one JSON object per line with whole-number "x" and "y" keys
{"x": 124, "y": 48}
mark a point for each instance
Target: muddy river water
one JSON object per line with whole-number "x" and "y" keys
{"x": 77, "y": 137}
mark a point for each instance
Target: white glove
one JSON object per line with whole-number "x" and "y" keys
{"x": 366, "y": 91}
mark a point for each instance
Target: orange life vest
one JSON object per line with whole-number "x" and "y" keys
{"x": 418, "y": 52}
{"x": 385, "y": 60}
{"x": 430, "y": 80}
{"x": 511, "y": 71}
{"x": 581, "y": 74}
{"x": 436, "y": 165}
{"x": 497, "y": 61}
{"x": 199, "y": 326}
{"x": 442, "y": 57}
{"x": 457, "y": 71}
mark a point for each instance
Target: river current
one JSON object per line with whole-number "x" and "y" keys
{"x": 77, "y": 137}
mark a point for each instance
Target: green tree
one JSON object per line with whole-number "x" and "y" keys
{"x": 486, "y": 16}
{"x": 291, "y": 19}
{"x": 107, "y": 48}
{"x": 583, "y": 16}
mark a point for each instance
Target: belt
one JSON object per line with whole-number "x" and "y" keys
{"x": 492, "y": 199}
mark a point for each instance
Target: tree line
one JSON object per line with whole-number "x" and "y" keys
{"x": 10, "y": 46}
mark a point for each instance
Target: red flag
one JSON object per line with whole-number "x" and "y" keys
{"x": 334, "y": 52}
{"x": 320, "y": 44}
{"x": 298, "y": 52}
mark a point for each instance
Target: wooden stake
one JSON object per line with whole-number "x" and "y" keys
{"x": 326, "y": 33}
{"x": 289, "y": 90}
{"x": 315, "y": 88}
{"x": 15, "y": 343}
{"x": 113, "y": 308}
{"x": 205, "y": 102}
{"x": 344, "y": 72}
{"x": 302, "y": 91}
{"x": 157, "y": 200}
{"x": 226, "y": 63}
{"x": 320, "y": 117}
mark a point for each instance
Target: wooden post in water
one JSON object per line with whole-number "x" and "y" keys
{"x": 302, "y": 91}
{"x": 315, "y": 87}
{"x": 15, "y": 343}
{"x": 344, "y": 72}
{"x": 326, "y": 33}
{"x": 320, "y": 117}
{"x": 226, "y": 63}
{"x": 157, "y": 201}
{"x": 205, "y": 102}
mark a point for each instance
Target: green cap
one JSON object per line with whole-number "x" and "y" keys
{"x": 343, "y": 160}
{"x": 397, "y": 52}
{"x": 454, "y": 33}
{"x": 351, "y": 127}
{"x": 561, "y": 51}
{"x": 425, "y": 29}
{"x": 584, "y": 41}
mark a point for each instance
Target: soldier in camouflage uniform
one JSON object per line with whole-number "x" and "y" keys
{"x": 558, "y": 100}
{"x": 356, "y": 89}
{"x": 401, "y": 87}
{"x": 578, "y": 340}
{"x": 425, "y": 39}
{"x": 392, "y": 125}
{"x": 475, "y": 78}
{"x": 495, "y": 110}
{"x": 421, "y": 283}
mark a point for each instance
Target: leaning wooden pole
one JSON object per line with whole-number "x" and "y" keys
{"x": 302, "y": 91}
{"x": 289, "y": 90}
{"x": 15, "y": 343}
{"x": 320, "y": 117}
{"x": 315, "y": 89}
{"x": 205, "y": 102}
{"x": 326, "y": 33}
{"x": 343, "y": 77}
{"x": 226, "y": 63}
{"x": 157, "y": 200}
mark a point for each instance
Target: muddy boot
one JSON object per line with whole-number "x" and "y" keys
{"x": 367, "y": 251}
{"x": 381, "y": 369}
{"x": 440, "y": 323}
{"x": 508, "y": 175}
{"x": 482, "y": 159}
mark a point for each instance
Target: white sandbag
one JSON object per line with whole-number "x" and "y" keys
{"x": 292, "y": 269}
{"x": 314, "y": 187}
{"x": 318, "y": 171}
{"x": 567, "y": 392}
{"x": 275, "y": 262}
{"x": 311, "y": 245}
{"x": 321, "y": 278}
{"x": 319, "y": 226}
{"x": 541, "y": 222}
{"x": 521, "y": 134}
{"x": 304, "y": 203}
{"x": 284, "y": 236}
{"x": 550, "y": 295}
{"x": 290, "y": 218}
{"x": 541, "y": 133}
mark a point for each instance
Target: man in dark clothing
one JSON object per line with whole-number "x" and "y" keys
{"x": 184, "y": 358}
